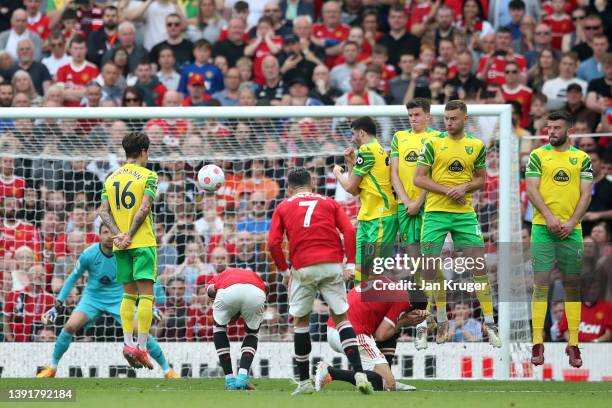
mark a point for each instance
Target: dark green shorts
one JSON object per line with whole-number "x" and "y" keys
{"x": 546, "y": 248}
{"x": 463, "y": 227}
{"x": 380, "y": 230}
{"x": 135, "y": 264}
{"x": 409, "y": 225}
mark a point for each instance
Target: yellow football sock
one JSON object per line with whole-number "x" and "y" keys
{"x": 572, "y": 312}
{"x": 485, "y": 297}
{"x": 127, "y": 312}
{"x": 440, "y": 294}
{"x": 539, "y": 303}
{"x": 145, "y": 313}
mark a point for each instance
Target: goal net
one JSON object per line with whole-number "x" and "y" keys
{"x": 55, "y": 160}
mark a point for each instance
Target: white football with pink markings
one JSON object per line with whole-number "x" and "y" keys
{"x": 210, "y": 178}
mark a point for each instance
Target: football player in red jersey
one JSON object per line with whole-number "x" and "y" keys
{"x": 237, "y": 292}
{"x": 78, "y": 73}
{"x": 311, "y": 223}
{"x": 376, "y": 317}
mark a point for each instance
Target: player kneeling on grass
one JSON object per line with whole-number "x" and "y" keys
{"x": 311, "y": 223}
{"x": 102, "y": 294}
{"x": 376, "y": 316}
{"x": 237, "y": 292}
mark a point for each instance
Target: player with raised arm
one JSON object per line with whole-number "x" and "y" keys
{"x": 450, "y": 167}
{"x": 311, "y": 223}
{"x": 405, "y": 149}
{"x": 127, "y": 198}
{"x": 102, "y": 294}
{"x": 368, "y": 177}
{"x": 559, "y": 182}
{"x": 237, "y": 292}
{"x": 374, "y": 322}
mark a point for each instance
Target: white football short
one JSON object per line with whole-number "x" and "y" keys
{"x": 323, "y": 277}
{"x": 370, "y": 355}
{"x": 246, "y": 299}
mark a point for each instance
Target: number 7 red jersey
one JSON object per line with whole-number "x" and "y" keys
{"x": 311, "y": 222}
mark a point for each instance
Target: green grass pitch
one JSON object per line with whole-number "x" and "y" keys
{"x": 209, "y": 393}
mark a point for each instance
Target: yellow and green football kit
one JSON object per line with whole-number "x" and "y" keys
{"x": 124, "y": 190}
{"x": 451, "y": 162}
{"x": 560, "y": 175}
{"x": 406, "y": 146}
{"x": 378, "y": 213}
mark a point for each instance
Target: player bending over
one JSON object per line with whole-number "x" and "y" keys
{"x": 405, "y": 150}
{"x": 369, "y": 177}
{"x": 374, "y": 321}
{"x": 559, "y": 184}
{"x": 311, "y": 223}
{"x": 237, "y": 292}
{"x": 450, "y": 167}
{"x": 127, "y": 197}
{"x": 102, "y": 294}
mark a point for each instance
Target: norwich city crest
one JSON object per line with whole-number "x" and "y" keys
{"x": 469, "y": 149}
{"x": 573, "y": 160}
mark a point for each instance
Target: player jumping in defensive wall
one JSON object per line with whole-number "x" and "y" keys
{"x": 368, "y": 177}
{"x": 127, "y": 198}
{"x": 450, "y": 167}
{"x": 102, "y": 294}
{"x": 311, "y": 222}
{"x": 559, "y": 181}
{"x": 405, "y": 150}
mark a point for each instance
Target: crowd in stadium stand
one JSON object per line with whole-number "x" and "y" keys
{"x": 537, "y": 56}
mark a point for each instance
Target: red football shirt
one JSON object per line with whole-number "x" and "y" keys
{"x": 261, "y": 52}
{"x": 495, "y": 75}
{"x": 559, "y": 26}
{"x": 72, "y": 76}
{"x": 594, "y": 321}
{"x": 174, "y": 130}
{"x": 234, "y": 276}
{"x": 189, "y": 102}
{"x": 523, "y": 95}
{"x": 340, "y": 34}
{"x": 23, "y": 233}
{"x": 388, "y": 72}
{"x": 42, "y": 26}
{"x": 15, "y": 187}
{"x": 417, "y": 13}
{"x": 311, "y": 222}
{"x": 365, "y": 317}
{"x": 25, "y": 308}
{"x": 547, "y": 8}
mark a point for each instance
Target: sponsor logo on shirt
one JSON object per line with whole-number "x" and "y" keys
{"x": 455, "y": 166}
{"x": 561, "y": 176}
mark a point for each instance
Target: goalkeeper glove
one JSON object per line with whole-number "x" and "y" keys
{"x": 157, "y": 314}
{"x": 51, "y": 314}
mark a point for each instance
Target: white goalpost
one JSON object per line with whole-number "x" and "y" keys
{"x": 46, "y": 142}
